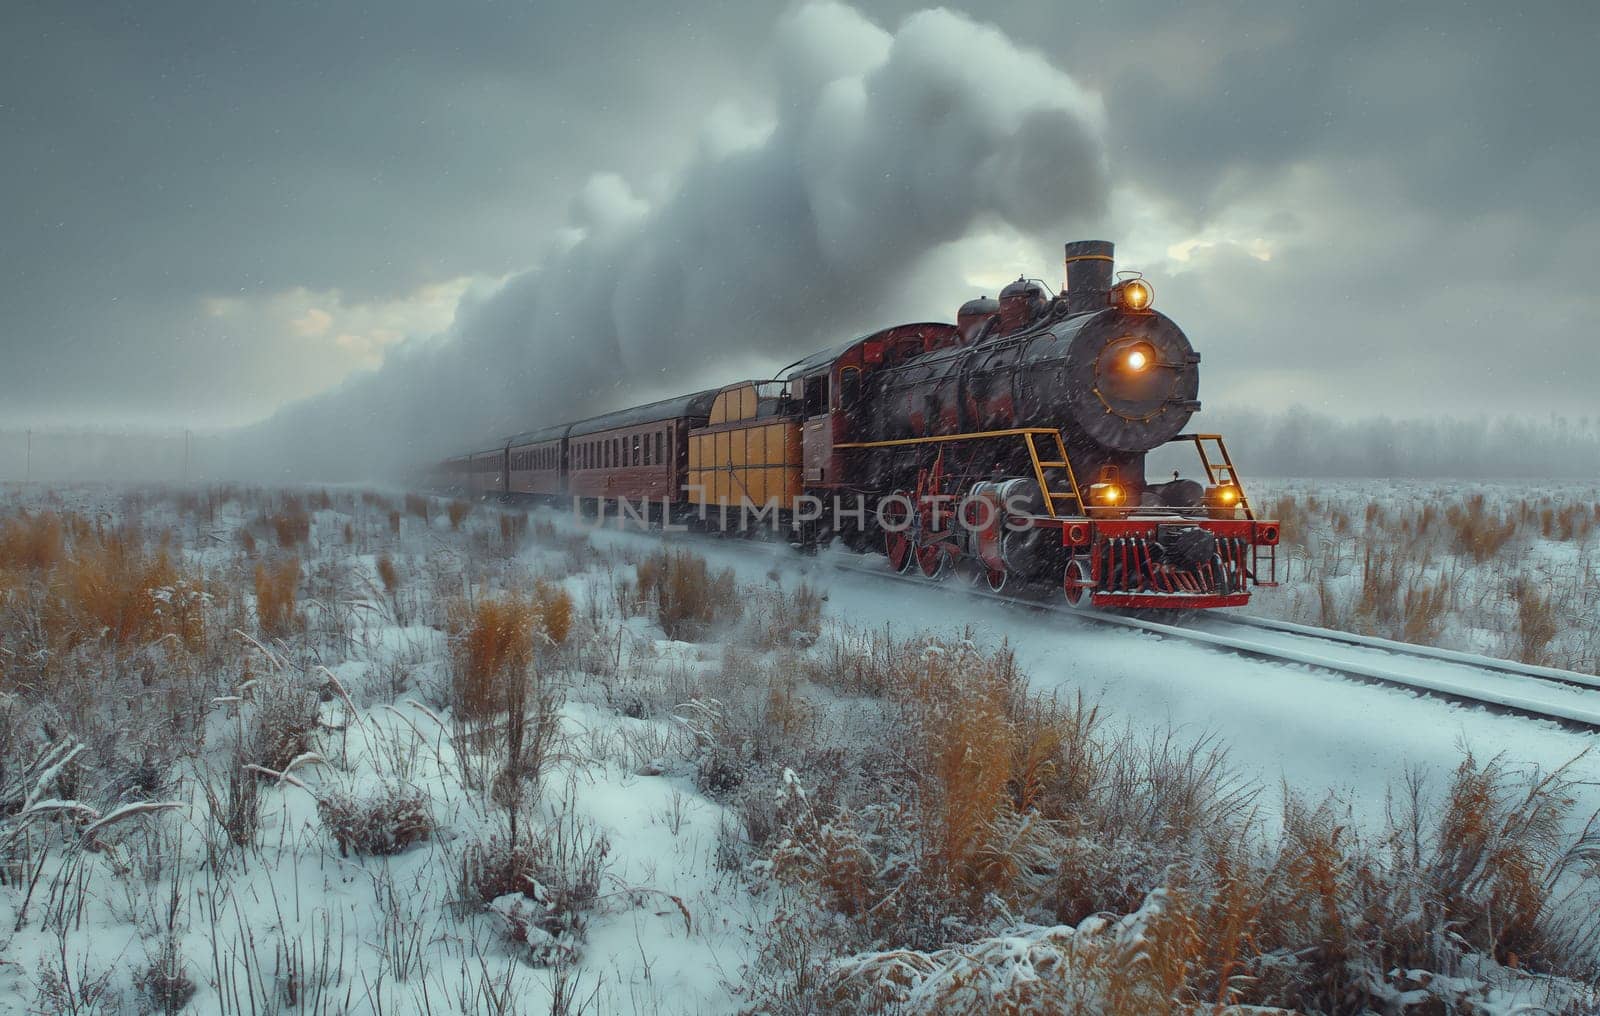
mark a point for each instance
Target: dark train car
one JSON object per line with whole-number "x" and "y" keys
{"x": 453, "y": 475}
{"x": 636, "y": 453}
{"x": 486, "y": 472}
{"x": 536, "y": 462}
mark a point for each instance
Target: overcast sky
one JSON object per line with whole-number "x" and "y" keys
{"x": 214, "y": 211}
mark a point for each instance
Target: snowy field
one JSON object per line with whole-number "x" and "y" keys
{"x": 1503, "y": 569}
{"x": 330, "y": 751}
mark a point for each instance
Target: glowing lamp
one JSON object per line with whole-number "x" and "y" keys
{"x": 1135, "y": 294}
{"x": 1223, "y": 501}
{"x": 1105, "y": 495}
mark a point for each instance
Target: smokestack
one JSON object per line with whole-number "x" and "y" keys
{"x": 1089, "y": 268}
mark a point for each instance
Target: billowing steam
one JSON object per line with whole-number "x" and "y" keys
{"x": 883, "y": 146}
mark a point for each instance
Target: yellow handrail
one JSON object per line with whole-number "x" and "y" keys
{"x": 1028, "y": 434}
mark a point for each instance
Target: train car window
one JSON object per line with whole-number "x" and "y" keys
{"x": 816, "y": 398}
{"x": 647, "y": 450}
{"x": 660, "y": 448}
{"x": 637, "y": 456}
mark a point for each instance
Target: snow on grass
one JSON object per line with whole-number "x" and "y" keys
{"x": 622, "y": 849}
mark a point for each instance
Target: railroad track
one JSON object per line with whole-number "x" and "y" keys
{"x": 1567, "y": 698}
{"x": 1564, "y": 697}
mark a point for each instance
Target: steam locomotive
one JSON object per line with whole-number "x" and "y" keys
{"x": 1008, "y": 447}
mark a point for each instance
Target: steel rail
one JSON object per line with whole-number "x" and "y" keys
{"x": 1570, "y": 716}
{"x": 1571, "y": 677}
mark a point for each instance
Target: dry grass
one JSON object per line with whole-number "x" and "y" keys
{"x": 417, "y": 505}
{"x": 32, "y": 542}
{"x": 497, "y": 641}
{"x": 513, "y": 529}
{"x": 388, "y": 574}
{"x": 494, "y": 649}
{"x": 113, "y": 588}
{"x": 1480, "y": 533}
{"x": 688, "y": 596}
{"x": 1537, "y": 623}
{"x": 991, "y": 807}
{"x": 1502, "y": 572}
{"x": 276, "y": 585}
{"x": 458, "y": 512}
{"x": 292, "y": 524}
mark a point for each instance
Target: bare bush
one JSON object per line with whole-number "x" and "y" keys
{"x": 379, "y": 822}
{"x": 540, "y": 888}
{"x": 688, "y": 597}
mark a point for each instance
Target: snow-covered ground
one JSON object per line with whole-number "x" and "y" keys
{"x": 1285, "y": 726}
{"x": 1504, "y": 569}
{"x": 666, "y": 918}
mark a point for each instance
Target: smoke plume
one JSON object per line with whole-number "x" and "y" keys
{"x": 882, "y": 146}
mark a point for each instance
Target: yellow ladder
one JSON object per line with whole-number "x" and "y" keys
{"x": 1059, "y": 462}
{"x": 1221, "y": 469}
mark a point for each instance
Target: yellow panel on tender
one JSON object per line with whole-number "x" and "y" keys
{"x": 733, "y": 464}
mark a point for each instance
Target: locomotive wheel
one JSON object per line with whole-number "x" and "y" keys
{"x": 897, "y": 541}
{"x": 1076, "y": 584}
{"x": 995, "y": 578}
{"x": 935, "y": 560}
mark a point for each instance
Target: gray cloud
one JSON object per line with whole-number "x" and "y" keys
{"x": 884, "y": 144}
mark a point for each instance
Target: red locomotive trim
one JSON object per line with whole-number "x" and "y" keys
{"x": 1081, "y": 532}
{"x": 1177, "y": 601}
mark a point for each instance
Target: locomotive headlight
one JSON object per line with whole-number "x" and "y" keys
{"x": 1106, "y": 495}
{"x": 1135, "y": 294}
{"x": 1133, "y": 357}
{"x": 1222, "y": 501}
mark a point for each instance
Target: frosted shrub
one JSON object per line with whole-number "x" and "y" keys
{"x": 382, "y": 821}
{"x": 539, "y": 888}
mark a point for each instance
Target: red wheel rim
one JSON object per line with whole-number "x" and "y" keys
{"x": 898, "y": 547}
{"x": 934, "y": 560}
{"x": 995, "y": 579}
{"x": 897, "y": 541}
{"x": 1076, "y": 584}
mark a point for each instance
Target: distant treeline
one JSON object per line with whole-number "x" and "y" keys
{"x": 1301, "y": 443}
{"x": 1292, "y": 443}
{"x": 121, "y": 456}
